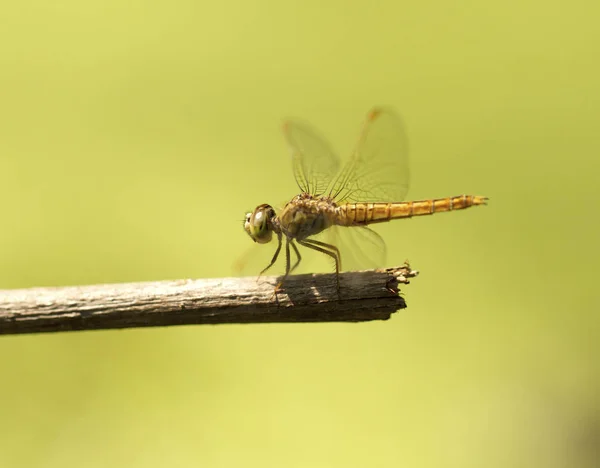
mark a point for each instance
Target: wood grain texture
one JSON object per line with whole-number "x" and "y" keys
{"x": 365, "y": 295}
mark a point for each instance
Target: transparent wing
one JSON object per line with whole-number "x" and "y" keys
{"x": 256, "y": 257}
{"x": 378, "y": 169}
{"x": 314, "y": 162}
{"x": 360, "y": 247}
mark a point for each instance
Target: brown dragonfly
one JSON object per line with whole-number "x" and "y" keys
{"x": 368, "y": 190}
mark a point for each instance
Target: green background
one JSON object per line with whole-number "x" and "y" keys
{"x": 134, "y": 136}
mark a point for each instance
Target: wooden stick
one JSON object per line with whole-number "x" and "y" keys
{"x": 364, "y": 295}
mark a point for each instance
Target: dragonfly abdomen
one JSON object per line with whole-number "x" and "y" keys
{"x": 361, "y": 214}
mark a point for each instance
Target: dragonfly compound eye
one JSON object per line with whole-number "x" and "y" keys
{"x": 258, "y": 225}
{"x": 247, "y": 222}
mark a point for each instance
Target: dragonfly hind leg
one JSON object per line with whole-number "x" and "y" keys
{"x": 299, "y": 257}
{"x": 327, "y": 249}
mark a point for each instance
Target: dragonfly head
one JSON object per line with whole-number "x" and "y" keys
{"x": 259, "y": 224}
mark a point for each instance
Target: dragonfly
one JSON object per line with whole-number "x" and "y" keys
{"x": 369, "y": 189}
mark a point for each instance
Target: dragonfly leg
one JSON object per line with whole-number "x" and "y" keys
{"x": 299, "y": 257}
{"x": 287, "y": 263}
{"x": 327, "y": 249}
{"x": 338, "y": 267}
{"x": 274, "y": 259}
{"x": 288, "y": 270}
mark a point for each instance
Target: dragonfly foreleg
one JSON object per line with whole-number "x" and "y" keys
{"x": 274, "y": 259}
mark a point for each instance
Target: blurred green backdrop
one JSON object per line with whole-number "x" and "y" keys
{"x": 134, "y": 136}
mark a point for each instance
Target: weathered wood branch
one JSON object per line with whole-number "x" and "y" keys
{"x": 364, "y": 295}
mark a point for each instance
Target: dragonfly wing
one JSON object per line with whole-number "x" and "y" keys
{"x": 360, "y": 247}
{"x": 378, "y": 169}
{"x": 256, "y": 258}
{"x": 314, "y": 162}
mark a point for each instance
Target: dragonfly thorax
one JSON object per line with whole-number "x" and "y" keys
{"x": 306, "y": 215}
